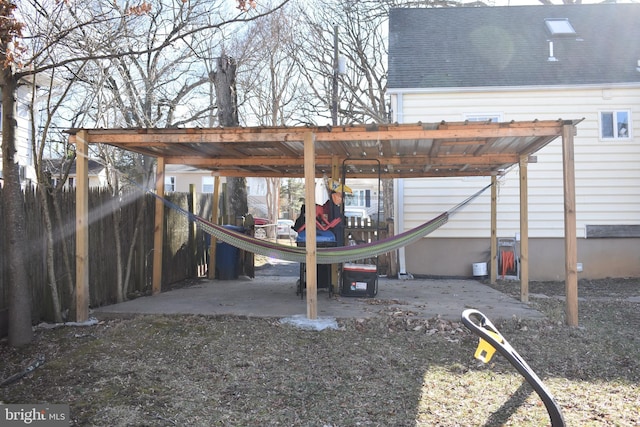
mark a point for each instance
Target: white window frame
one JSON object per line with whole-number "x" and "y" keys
{"x": 169, "y": 183}
{"x": 484, "y": 117}
{"x": 616, "y": 117}
{"x": 208, "y": 183}
{"x": 357, "y": 199}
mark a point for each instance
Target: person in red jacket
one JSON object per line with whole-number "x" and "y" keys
{"x": 333, "y": 210}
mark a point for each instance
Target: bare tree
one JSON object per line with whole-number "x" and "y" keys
{"x": 19, "y": 293}
{"x": 225, "y": 84}
{"x": 270, "y": 81}
{"x": 62, "y": 38}
{"x": 362, "y": 43}
{"x": 269, "y": 78}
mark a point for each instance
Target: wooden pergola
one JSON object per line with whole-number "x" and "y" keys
{"x": 403, "y": 151}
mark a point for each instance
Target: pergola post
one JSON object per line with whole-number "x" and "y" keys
{"x": 310, "y": 229}
{"x": 493, "y": 264}
{"x": 211, "y": 274}
{"x": 158, "y": 229}
{"x": 524, "y": 230}
{"x": 82, "y": 226}
{"x": 570, "y": 240}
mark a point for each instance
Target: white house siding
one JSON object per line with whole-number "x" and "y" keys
{"x": 607, "y": 183}
{"x": 24, "y": 155}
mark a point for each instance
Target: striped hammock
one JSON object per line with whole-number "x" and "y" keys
{"x": 333, "y": 255}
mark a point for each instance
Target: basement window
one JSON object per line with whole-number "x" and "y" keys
{"x": 486, "y": 117}
{"x": 615, "y": 124}
{"x": 559, "y": 27}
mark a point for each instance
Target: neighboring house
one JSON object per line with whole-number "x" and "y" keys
{"x": 24, "y": 137}
{"x": 179, "y": 177}
{"x": 97, "y": 173}
{"x": 525, "y": 63}
{"x": 364, "y": 196}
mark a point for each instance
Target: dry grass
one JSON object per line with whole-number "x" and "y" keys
{"x": 386, "y": 371}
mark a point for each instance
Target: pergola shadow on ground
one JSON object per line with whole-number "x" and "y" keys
{"x": 401, "y": 150}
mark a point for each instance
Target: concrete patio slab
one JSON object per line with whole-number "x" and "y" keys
{"x": 275, "y": 296}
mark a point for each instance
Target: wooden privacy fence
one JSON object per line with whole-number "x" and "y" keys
{"x": 185, "y": 248}
{"x": 183, "y": 253}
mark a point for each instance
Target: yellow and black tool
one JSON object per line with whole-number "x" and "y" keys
{"x": 490, "y": 341}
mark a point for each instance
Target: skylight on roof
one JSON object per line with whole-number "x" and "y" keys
{"x": 559, "y": 27}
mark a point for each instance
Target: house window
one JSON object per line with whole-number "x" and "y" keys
{"x": 360, "y": 198}
{"x": 169, "y": 183}
{"x": 491, "y": 117}
{"x": 615, "y": 124}
{"x": 207, "y": 184}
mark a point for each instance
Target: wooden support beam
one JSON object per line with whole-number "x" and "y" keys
{"x": 570, "y": 238}
{"x": 214, "y": 219}
{"x": 336, "y": 168}
{"x": 336, "y": 175}
{"x": 266, "y": 136}
{"x": 437, "y": 160}
{"x": 82, "y": 226}
{"x": 158, "y": 230}
{"x": 310, "y": 220}
{"x": 417, "y": 172}
{"x": 193, "y": 231}
{"x": 493, "y": 275}
{"x": 524, "y": 230}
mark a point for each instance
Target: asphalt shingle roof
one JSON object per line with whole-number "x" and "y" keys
{"x": 509, "y": 46}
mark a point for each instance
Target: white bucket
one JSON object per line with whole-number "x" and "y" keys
{"x": 479, "y": 269}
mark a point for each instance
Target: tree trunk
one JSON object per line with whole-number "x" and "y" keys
{"x": 224, "y": 80}
{"x": 387, "y": 204}
{"x": 387, "y": 198}
{"x": 132, "y": 247}
{"x": 227, "y": 99}
{"x": 273, "y": 201}
{"x": 68, "y": 275}
{"x": 117, "y": 230}
{"x": 20, "y": 332}
{"x": 227, "y": 102}
{"x": 51, "y": 271}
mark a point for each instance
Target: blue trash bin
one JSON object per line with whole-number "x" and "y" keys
{"x": 228, "y": 257}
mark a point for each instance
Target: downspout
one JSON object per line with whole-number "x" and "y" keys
{"x": 398, "y": 193}
{"x": 398, "y": 225}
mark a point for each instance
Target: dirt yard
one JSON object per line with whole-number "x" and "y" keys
{"x": 391, "y": 370}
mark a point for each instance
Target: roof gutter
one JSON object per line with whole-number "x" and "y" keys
{"x": 478, "y": 89}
